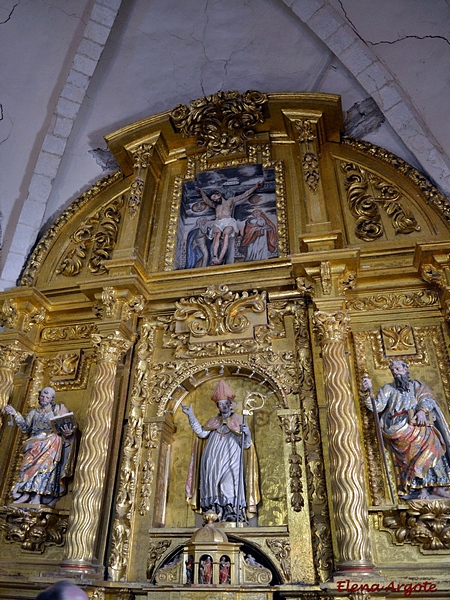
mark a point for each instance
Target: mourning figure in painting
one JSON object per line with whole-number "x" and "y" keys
{"x": 218, "y": 477}
{"x": 48, "y": 453}
{"x": 416, "y": 432}
{"x": 260, "y": 236}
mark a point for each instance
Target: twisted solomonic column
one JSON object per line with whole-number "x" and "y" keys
{"x": 90, "y": 478}
{"x": 11, "y": 356}
{"x": 345, "y": 449}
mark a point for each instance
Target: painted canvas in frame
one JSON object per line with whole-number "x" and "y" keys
{"x": 227, "y": 215}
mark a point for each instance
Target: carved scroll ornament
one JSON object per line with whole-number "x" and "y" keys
{"x": 219, "y": 311}
{"x": 98, "y": 234}
{"x": 365, "y": 206}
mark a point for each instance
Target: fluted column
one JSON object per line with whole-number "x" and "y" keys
{"x": 90, "y": 479}
{"x": 345, "y": 448}
{"x": 11, "y": 356}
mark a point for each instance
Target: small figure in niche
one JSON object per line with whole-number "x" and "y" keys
{"x": 416, "y": 431}
{"x": 190, "y": 569}
{"x": 224, "y": 570}
{"x": 206, "y": 565}
{"x": 49, "y": 457}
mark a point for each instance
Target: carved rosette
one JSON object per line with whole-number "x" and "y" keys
{"x": 346, "y": 468}
{"x": 90, "y": 483}
{"x": 222, "y": 122}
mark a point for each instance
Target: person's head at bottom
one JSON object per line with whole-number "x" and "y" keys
{"x": 63, "y": 590}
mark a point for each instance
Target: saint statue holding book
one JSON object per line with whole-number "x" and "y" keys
{"x": 48, "y": 452}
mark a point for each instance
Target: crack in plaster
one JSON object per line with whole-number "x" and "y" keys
{"x": 400, "y": 39}
{"x": 10, "y": 14}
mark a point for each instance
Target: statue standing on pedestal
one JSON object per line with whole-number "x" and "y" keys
{"x": 217, "y": 476}
{"x": 416, "y": 431}
{"x": 48, "y": 457}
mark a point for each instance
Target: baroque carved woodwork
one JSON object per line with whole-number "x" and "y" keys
{"x": 222, "y": 122}
{"x": 299, "y": 330}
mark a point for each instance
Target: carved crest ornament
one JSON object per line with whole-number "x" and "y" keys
{"x": 222, "y": 122}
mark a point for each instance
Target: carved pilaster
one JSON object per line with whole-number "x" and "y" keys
{"x": 90, "y": 482}
{"x": 346, "y": 470}
{"x": 141, "y": 156}
{"x": 11, "y": 356}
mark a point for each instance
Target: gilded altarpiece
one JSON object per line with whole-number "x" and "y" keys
{"x": 338, "y": 263}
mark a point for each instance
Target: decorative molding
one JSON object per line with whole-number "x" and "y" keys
{"x": 69, "y": 332}
{"x": 118, "y": 304}
{"x": 36, "y": 260}
{"x": 398, "y": 340}
{"x": 219, "y": 322}
{"x": 129, "y": 469}
{"x": 150, "y": 437}
{"x": 97, "y": 236}
{"x": 281, "y": 549}
{"x": 155, "y": 551}
{"x": 221, "y": 122}
{"x": 291, "y": 427}
{"x": 306, "y": 130}
{"x": 314, "y": 462}
{"x": 431, "y": 194}
{"x": 383, "y": 302}
{"x": 141, "y": 157}
{"x": 13, "y": 318}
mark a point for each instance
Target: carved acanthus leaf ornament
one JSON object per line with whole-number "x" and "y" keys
{"x": 423, "y": 523}
{"x": 291, "y": 426}
{"x": 222, "y": 122}
{"x": 33, "y": 529}
{"x": 365, "y": 205}
{"x": 433, "y": 197}
{"x": 219, "y": 311}
{"x": 97, "y": 235}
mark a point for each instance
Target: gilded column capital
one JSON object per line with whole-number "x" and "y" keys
{"x": 332, "y": 327}
{"x": 111, "y": 347}
{"x": 11, "y": 355}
